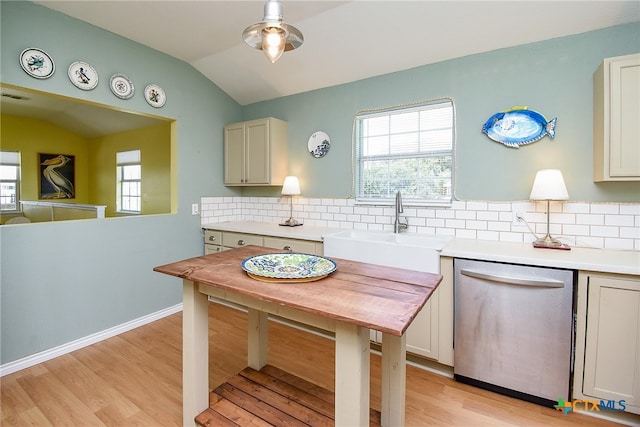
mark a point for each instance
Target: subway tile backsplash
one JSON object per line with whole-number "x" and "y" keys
{"x": 599, "y": 225}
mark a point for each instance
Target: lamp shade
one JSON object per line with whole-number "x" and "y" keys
{"x": 291, "y": 186}
{"x": 549, "y": 185}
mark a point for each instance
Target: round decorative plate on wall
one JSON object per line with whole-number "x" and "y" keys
{"x": 154, "y": 95}
{"x": 37, "y": 63}
{"x": 318, "y": 145}
{"x": 83, "y": 75}
{"x": 121, "y": 86}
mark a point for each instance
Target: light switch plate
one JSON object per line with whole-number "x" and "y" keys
{"x": 194, "y": 209}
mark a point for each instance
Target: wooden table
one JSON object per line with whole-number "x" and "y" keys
{"x": 352, "y": 300}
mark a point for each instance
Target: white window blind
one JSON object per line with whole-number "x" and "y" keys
{"x": 407, "y": 149}
{"x": 128, "y": 157}
{"x": 9, "y": 181}
{"x": 129, "y": 181}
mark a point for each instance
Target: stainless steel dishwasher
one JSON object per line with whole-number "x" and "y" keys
{"x": 514, "y": 329}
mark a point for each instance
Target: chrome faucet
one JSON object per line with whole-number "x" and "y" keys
{"x": 397, "y": 224}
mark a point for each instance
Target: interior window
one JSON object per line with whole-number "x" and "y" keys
{"x": 9, "y": 181}
{"x": 407, "y": 149}
{"x": 129, "y": 181}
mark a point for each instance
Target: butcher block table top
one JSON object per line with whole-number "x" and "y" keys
{"x": 376, "y": 297}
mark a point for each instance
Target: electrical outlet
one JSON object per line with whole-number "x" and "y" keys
{"x": 194, "y": 209}
{"x": 518, "y": 218}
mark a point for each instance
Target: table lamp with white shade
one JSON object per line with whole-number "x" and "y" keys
{"x": 291, "y": 187}
{"x": 549, "y": 185}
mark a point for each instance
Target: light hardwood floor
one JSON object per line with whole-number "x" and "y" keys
{"x": 134, "y": 379}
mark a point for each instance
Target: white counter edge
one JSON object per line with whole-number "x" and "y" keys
{"x": 585, "y": 259}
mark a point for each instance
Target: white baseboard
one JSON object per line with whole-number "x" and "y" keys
{"x": 43, "y": 356}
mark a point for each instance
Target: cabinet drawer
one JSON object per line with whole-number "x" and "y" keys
{"x": 302, "y": 246}
{"x": 235, "y": 240}
{"x": 212, "y": 249}
{"x": 212, "y": 237}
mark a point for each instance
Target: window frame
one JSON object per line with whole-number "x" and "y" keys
{"x": 18, "y": 165}
{"x": 359, "y": 158}
{"x": 129, "y": 159}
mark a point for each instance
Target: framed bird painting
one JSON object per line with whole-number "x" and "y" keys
{"x": 57, "y": 176}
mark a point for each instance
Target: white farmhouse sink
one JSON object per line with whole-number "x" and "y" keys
{"x": 412, "y": 251}
{"x": 407, "y": 250}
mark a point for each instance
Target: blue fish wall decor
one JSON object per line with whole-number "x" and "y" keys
{"x": 518, "y": 126}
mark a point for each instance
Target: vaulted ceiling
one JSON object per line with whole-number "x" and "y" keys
{"x": 344, "y": 41}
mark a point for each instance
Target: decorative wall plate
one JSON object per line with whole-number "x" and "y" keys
{"x": 121, "y": 86}
{"x": 37, "y": 63}
{"x": 154, "y": 95}
{"x": 288, "y": 266}
{"x": 83, "y": 75}
{"x": 519, "y": 126}
{"x": 318, "y": 145}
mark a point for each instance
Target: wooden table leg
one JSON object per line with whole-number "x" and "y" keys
{"x": 258, "y": 329}
{"x": 352, "y": 376}
{"x": 394, "y": 376}
{"x": 195, "y": 352}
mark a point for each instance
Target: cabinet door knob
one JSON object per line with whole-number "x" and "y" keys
{"x": 212, "y": 238}
{"x": 288, "y": 249}
{"x": 240, "y": 242}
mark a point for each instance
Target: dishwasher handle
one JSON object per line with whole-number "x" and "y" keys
{"x": 520, "y": 281}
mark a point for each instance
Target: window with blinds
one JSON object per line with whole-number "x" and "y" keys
{"x": 9, "y": 181}
{"x": 407, "y": 149}
{"x": 129, "y": 181}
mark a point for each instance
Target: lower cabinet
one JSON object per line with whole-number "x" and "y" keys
{"x": 422, "y": 335}
{"x": 294, "y": 245}
{"x": 215, "y": 241}
{"x": 212, "y": 241}
{"x": 235, "y": 240}
{"x": 431, "y": 333}
{"x": 607, "y": 348}
{"x": 445, "y": 313}
{"x": 607, "y": 365}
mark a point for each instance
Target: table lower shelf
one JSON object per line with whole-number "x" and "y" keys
{"x": 270, "y": 397}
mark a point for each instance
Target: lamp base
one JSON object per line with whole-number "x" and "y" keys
{"x": 290, "y": 223}
{"x": 549, "y": 242}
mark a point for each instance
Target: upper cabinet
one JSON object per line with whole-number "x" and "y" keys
{"x": 616, "y": 123}
{"x": 255, "y": 152}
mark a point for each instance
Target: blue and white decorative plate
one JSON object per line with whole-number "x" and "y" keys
{"x": 519, "y": 126}
{"x": 37, "y": 63}
{"x": 288, "y": 266}
{"x": 319, "y": 144}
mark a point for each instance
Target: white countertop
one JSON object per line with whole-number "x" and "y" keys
{"x": 602, "y": 260}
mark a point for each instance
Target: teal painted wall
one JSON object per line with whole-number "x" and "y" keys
{"x": 66, "y": 280}
{"x": 63, "y": 281}
{"x": 553, "y": 77}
